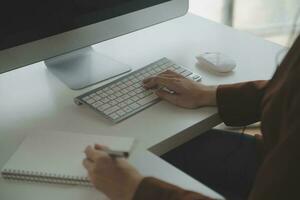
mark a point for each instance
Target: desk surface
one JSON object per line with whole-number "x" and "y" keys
{"x": 33, "y": 100}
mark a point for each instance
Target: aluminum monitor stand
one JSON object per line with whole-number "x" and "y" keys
{"x": 84, "y": 67}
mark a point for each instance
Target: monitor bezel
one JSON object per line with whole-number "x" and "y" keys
{"x": 69, "y": 41}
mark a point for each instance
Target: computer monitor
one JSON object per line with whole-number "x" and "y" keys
{"x": 61, "y": 33}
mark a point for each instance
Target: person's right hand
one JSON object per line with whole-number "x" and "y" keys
{"x": 187, "y": 93}
{"x": 115, "y": 177}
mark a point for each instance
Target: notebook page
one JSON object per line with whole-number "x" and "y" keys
{"x": 60, "y": 153}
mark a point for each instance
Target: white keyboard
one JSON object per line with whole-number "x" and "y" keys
{"x": 126, "y": 96}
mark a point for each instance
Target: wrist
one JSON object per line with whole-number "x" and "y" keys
{"x": 208, "y": 96}
{"x": 133, "y": 186}
{"x": 212, "y": 95}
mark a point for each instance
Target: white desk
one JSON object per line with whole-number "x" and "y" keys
{"x": 34, "y": 100}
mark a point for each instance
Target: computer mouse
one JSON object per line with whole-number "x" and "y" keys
{"x": 217, "y": 62}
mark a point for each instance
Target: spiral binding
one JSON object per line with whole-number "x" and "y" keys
{"x": 22, "y": 175}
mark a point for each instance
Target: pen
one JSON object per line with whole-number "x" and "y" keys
{"x": 116, "y": 154}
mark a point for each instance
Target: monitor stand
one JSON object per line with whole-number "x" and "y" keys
{"x": 84, "y": 67}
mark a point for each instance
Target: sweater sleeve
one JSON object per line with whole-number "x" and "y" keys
{"x": 152, "y": 188}
{"x": 240, "y": 104}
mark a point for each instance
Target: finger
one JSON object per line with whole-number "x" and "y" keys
{"x": 171, "y": 73}
{"x": 97, "y": 155}
{"x": 146, "y": 80}
{"x": 89, "y": 165}
{"x": 99, "y": 147}
{"x": 148, "y": 83}
{"x": 166, "y": 74}
{"x": 92, "y": 154}
{"x": 101, "y": 150}
{"x": 161, "y": 81}
{"x": 172, "y": 98}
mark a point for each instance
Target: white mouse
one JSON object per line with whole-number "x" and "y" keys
{"x": 217, "y": 62}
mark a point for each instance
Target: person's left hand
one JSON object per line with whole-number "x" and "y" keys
{"x": 115, "y": 177}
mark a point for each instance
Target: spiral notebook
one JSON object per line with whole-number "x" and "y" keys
{"x": 57, "y": 157}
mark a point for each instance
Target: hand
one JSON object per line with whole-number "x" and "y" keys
{"x": 115, "y": 177}
{"x": 187, "y": 93}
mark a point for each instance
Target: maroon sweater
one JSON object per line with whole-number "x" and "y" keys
{"x": 276, "y": 103}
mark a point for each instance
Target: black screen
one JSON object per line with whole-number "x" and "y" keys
{"x": 23, "y": 21}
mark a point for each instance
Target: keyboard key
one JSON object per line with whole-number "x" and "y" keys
{"x": 122, "y": 86}
{"x": 157, "y": 70}
{"x": 124, "y": 91}
{"x": 113, "y": 86}
{"x": 125, "y": 96}
{"x": 130, "y": 88}
{"x": 176, "y": 66}
{"x": 166, "y": 64}
{"x": 118, "y": 94}
{"x": 141, "y": 78}
{"x": 129, "y": 83}
{"x": 90, "y": 101}
{"x": 161, "y": 62}
{"x": 128, "y": 101}
{"x": 139, "y": 90}
{"x": 97, "y": 104}
{"x": 120, "y": 99}
{"x": 106, "y": 89}
{"x": 135, "y": 80}
{"x": 122, "y": 104}
{"x": 104, "y": 107}
{"x": 147, "y": 92}
{"x": 186, "y": 73}
{"x": 132, "y": 93}
{"x": 110, "y": 92}
{"x": 116, "y": 89}
{"x": 121, "y": 113}
{"x": 112, "y": 97}
{"x": 134, "y": 106}
{"x": 152, "y": 73}
{"x": 113, "y": 102}
{"x": 164, "y": 67}
{"x": 111, "y": 110}
{"x": 99, "y": 92}
{"x": 137, "y": 85}
{"x": 147, "y": 99}
{"x": 172, "y": 69}
{"x": 103, "y": 94}
{"x": 86, "y": 98}
{"x": 138, "y": 74}
{"x": 141, "y": 95}
{"x": 119, "y": 83}
{"x": 114, "y": 116}
{"x": 135, "y": 98}
{"x": 97, "y": 98}
{"x": 180, "y": 70}
{"x": 146, "y": 75}
{"x": 127, "y": 109}
{"x": 105, "y": 100}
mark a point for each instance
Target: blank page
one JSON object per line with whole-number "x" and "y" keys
{"x": 60, "y": 154}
